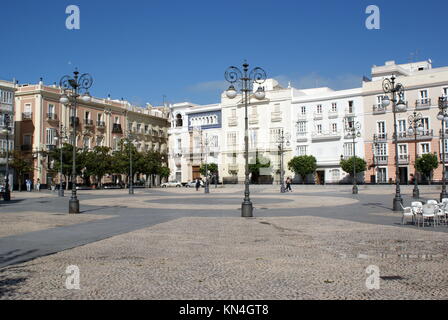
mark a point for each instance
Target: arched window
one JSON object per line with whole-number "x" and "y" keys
{"x": 179, "y": 120}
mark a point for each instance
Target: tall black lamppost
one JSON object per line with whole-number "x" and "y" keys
{"x": 6, "y": 129}
{"x": 375, "y": 145}
{"x": 61, "y": 137}
{"x": 443, "y": 116}
{"x": 73, "y": 88}
{"x": 131, "y": 174}
{"x": 206, "y": 188}
{"x": 397, "y": 90}
{"x": 415, "y": 128}
{"x": 282, "y": 140}
{"x": 246, "y": 80}
{"x": 354, "y": 131}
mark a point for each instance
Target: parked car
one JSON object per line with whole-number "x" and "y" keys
{"x": 169, "y": 184}
{"x": 192, "y": 184}
{"x": 112, "y": 186}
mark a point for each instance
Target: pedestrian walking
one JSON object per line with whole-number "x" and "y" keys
{"x": 28, "y": 185}
{"x": 38, "y": 185}
{"x": 198, "y": 184}
{"x": 288, "y": 184}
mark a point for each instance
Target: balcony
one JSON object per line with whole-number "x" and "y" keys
{"x": 318, "y": 116}
{"x": 301, "y": 116}
{"x": 380, "y": 137}
{"x": 233, "y": 167}
{"x": 276, "y": 116}
{"x": 27, "y": 116}
{"x": 302, "y": 137}
{"x": 88, "y": 123}
{"x": 349, "y": 112}
{"x": 233, "y": 121}
{"x": 51, "y": 147}
{"x": 322, "y": 136}
{"x": 378, "y": 109}
{"x": 425, "y": 135}
{"x": 381, "y": 160}
{"x": 253, "y": 119}
{"x": 51, "y": 116}
{"x": 117, "y": 128}
{"x": 423, "y": 103}
{"x": 403, "y": 159}
{"x": 76, "y": 121}
{"x": 100, "y": 124}
{"x": 332, "y": 114}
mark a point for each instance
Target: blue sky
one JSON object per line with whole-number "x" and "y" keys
{"x": 141, "y": 50}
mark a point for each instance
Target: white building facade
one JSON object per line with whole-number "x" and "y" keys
{"x": 195, "y": 136}
{"x": 319, "y": 118}
{"x": 7, "y": 90}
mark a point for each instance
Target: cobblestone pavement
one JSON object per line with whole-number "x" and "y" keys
{"x": 236, "y": 258}
{"x": 168, "y": 244}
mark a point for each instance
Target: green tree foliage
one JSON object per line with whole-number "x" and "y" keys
{"x": 98, "y": 163}
{"x": 211, "y": 167}
{"x": 21, "y": 165}
{"x": 67, "y": 161}
{"x": 303, "y": 166}
{"x": 164, "y": 172}
{"x": 254, "y": 168}
{"x": 347, "y": 165}
{"x": 427, "y": 163}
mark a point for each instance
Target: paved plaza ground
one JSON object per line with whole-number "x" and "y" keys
{"x": 313, "y": 243}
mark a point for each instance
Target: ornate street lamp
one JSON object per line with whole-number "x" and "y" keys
{"x": 206, "y": 188}
{"x": 443, "y": 117}
{"x": 61, "y": 137}
{"x": 282, "y": 140}
{"x": 246, "y": 79}
{"x": 6, "y": 129}
{"x": 353, "y": 130}
{"x": 397, "y": 90}
{"x": 73, "y": 87}
{"x": 375, "y": 145}
{"x": 415, "y": 128}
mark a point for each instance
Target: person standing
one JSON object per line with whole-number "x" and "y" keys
{"x": 198, "y": 184}
{"x": 38, "y": 184}
{"x": 28, "y": 185}
{"x": 288, "y": 184}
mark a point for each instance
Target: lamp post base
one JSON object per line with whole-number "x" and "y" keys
{"x": 443, "y": 195}
{"x": 206, "y": 188}
{"x": 131, "y": 190}
{"x": 247, "y": 209}
{"x": 61, "y": 192}
{"x": 7, "y": 195}
{"x": 282, "y": 188}
{"x": 415, "y": 193}
{"x": 355, "y": 189}
{"x": 73, "y": 206}
{"x": 398, "y": 201}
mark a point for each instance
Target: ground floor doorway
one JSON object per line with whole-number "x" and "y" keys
{"x": 403, "y": 174}
{"x": 196, "y": 174}
{"x": 320, "y": 177}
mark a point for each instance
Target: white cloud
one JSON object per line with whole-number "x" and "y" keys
{"x": 313, "y": 80}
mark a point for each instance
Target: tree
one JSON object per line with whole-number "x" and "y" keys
{"x": 256, "y": 168}
{"x": 426, "y": 164}
{"x": 164, "y": 172}
{"x": 303, "y": 166}
{"x": 347, "y": 165}
{"x": 150, "y": 164}
{"x": 121, "y": 159}
{"x": 67, "y": 161}
{"x": 211, "y": 167}
{"x": 98, "y": 163}
{"x": 21, "y": 165}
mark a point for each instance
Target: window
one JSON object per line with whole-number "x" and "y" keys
{"x": 319, "y": 109}
{"x": 382, "y": 175}
{"x": 379, "y": 101}
{"x": 423, "y": 94}
{"x": 3, "y": 145}
{"x": 303, "y": 110}
{"x": 402, "y": 150}
{"x": 319, "y": 128}
{"x": 87, "y": 115}
{"x": 350, "y": 106}
{"x": 179, "y": 122}
{"x": 51, "y": 109}
{"x": 401, "y": 126}
{"x": 424, "y": 148}
{"x": 50, "y": 134}
{"x": 86, "y": 142}
{"x": 301, "y": 150}
{"x": 275, "y": 134}
{"x": 301, "y": 127}
{"x": 335, "y": 174}
{"x": 381, "y": 149}
{"x": 425, "y": 123}
{"x": 233, "y": 113}
{"x": 381, "y": 129}
{"x": 231, "y": 139}
{"x": 334, "y": 127}
{"x": 117, "y": 120}
{"x": 334, "y": 107}
{"x": 348, "y": 149}
{"x": 445, "y": 92}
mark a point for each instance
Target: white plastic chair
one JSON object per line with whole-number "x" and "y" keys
{"x": 429, "y": 213}
{"x": 437, "y": 207}
{"x": 407, "y": 212}
{"x": 417, "y": 209}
